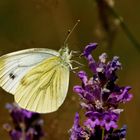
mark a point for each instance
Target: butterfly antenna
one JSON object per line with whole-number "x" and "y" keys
{"x": 70, "y": 32}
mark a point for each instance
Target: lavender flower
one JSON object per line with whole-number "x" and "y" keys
{"x": 100, "y": 97}
{"x": 27, "y": 125}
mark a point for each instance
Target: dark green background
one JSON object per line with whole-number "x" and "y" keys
{"x": 44, "y": 23}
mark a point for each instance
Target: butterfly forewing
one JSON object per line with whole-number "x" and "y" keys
{"x": 44, "y": 87}
{"x": 14, "y": 66}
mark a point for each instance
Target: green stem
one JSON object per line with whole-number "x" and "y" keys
{"x": 123, "y": 26}
{"x": 103, "y": 132}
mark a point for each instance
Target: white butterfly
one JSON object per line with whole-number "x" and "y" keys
{"x": 38, "y": 78}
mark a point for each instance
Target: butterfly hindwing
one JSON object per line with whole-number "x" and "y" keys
{"x": 44, "y": 88}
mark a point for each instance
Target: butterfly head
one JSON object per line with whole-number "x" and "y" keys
{"x": 65, "y": 54}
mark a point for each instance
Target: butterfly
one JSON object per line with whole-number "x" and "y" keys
{"x": 38, "y": 77}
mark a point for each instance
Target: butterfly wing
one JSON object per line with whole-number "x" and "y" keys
{"x": 44, "y": 88}
{"x": 14, "y": 66}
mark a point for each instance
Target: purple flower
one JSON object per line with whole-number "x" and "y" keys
{"x": 89, "y": 48}
{"x": 91, "y": 124}
{"x": 87, "y": 53}
{"x": 100, "y": 97}
{"x": 27, "y": 125}
{"x": 109, "y": 121}
{"x": 15, "y": 135}
{"x": 83, "y": 76}
{"x": 117, "y": 134}
{"x": 77, "y": 132}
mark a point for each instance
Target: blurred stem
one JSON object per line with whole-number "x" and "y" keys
{"x": 23, "y": 137}
{"x": 122, "y": 25}
{"x": 103, "y": 132}
{"x": 125, "y": 28}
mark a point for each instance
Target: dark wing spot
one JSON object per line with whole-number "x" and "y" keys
{"x": 12, "y": 76}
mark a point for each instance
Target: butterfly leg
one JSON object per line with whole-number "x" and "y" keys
{"x": 74, "y": 61}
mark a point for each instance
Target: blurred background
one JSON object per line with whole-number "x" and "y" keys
{"x": 45, "y": 23}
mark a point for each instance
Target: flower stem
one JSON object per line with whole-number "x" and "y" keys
{"x": 103, "y": 132}
{"x": 23, "y": 136}
{"x": 23, "y": 129}
{"x": 124, "y": 27}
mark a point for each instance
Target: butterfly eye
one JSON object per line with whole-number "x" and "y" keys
{"x": 12, "y": 76}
